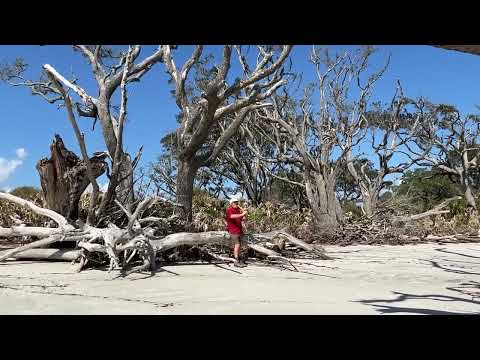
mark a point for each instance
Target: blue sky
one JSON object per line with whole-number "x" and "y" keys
{"x": 28, "y": 122}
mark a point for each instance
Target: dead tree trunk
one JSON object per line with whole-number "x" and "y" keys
{"x": 468, "y": 193}
{"x": 369, "y": 203}
{"x": 198, "y": 143}
{"x": 323, "y": 200}
{"x": 48, "y": 254}
{"x": 64, "y": 178}
{"x": 370, "y": 189}
{"x": 187, "y": 170}
{"x": 371, "y": 195}
{"x": 124, "y": 189}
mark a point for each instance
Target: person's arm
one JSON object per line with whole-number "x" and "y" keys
{"x": 236, "y": 216}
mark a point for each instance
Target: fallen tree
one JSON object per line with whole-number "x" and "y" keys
{"x": 48, "y": 254}
{"x": 436, "y": 210}
{"x": 386, "y": 226}
{"x": 119, "y": 246}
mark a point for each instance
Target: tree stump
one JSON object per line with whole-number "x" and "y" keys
{"x": 64, "y": 178}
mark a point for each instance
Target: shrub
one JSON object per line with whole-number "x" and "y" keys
{"x": 10, "y": 211}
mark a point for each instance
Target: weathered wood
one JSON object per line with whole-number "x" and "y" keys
{"x": 48, "y": 254}
{"x": 223, "y": 238}
{"x": 64, "y": 178}
{"x": 60, "y": 220}
{"x": 113, "y": 241}
{"x": 41, "y": 232}
{"x": 282, "y": 234}
{"x": 205, "y": 238}
{"x": 33, "y": 245}
{"x": 437, "y": 210}
{"x": 303, "y": 245}
{"x": 262, "y": 250}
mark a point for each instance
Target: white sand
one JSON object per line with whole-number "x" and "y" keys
{"x": 411, "y": 279}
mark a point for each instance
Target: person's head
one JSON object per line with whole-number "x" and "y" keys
{"x": 234, "y": 202}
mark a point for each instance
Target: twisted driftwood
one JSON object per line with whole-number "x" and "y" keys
{"x": 117, "y": 243}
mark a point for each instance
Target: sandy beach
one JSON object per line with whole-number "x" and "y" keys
{"x": 390, "y": 280}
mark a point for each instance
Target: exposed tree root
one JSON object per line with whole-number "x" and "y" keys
{"x": 119, "y": 247}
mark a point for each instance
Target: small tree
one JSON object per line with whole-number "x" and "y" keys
{"x": 426, "y": 188}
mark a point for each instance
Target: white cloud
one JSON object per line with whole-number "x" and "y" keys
{"x": 7, "y": 189}
{"x": 21, "y": 153}
{"x": 7, "y": 167}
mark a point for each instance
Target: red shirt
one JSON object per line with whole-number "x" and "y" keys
{"x": 234, "y": 226}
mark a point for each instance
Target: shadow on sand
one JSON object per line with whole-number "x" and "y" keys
{"x": 456, "y": 253}
{"x": 435, "y": 264}
{"x": 387, "y": 309}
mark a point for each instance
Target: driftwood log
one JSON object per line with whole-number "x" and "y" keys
{"x": 64, "y": 178}
{"x": 48, "y": 254}
{"x": 436, "y": 210}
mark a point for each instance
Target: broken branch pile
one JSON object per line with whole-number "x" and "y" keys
{"x": 385, "y": 227}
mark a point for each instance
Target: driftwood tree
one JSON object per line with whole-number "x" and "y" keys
{"x": 64, "y": 178}
{"x": 319, "y": 141}
{"x": 136, "y": 241}
{"x": 291, "y": 136}
{"x": 195, "y": 146}
{"x": 120, "y": 245}
{"x": 107, "y": 67}
{"x": 162, "y": 173}
{"x": 453, "y": 141}
{"x": 392, "y": 133}
{"x": 347, "y": 187}
{"x": 64, "y": 163}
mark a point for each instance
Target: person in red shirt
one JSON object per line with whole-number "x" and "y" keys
{"x": 233, "y": 220}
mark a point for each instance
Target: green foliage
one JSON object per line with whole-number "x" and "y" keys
{"x": 209, "y": 214}
{"x": 169, "y": 142}
{"x": 10, "y": 211}
{"x": 458, "y": 208}
{"x": 426, "y": 188}
{"x": 461, "y": 213}
{"x": 206, "y": 204}
{"x": 351, "y": 210}
{"x": 270, "y": 216}
{"x": 26, "y": 192}
{"x": 287, "y": 193}
{"x": 208, "y": 211}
